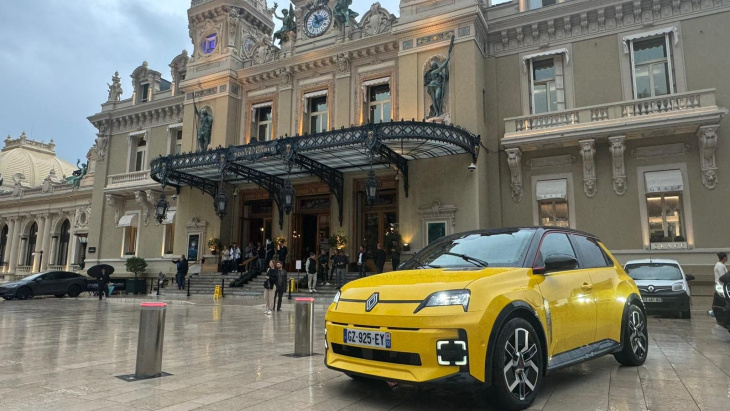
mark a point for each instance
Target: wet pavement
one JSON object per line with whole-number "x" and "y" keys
{"x": 65, "y": 354}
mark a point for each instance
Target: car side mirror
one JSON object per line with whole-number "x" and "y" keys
{"x": 689, "y": 277}
{"x": 39, "y": 279}
{"x": 557, "y": 262}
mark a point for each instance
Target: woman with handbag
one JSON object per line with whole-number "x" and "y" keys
{"x": 269, "y": 282}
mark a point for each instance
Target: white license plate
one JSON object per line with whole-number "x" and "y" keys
{"x": 376, "y": 339}
{"x": 652, "y": 300}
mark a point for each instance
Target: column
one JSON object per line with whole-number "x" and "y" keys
{"x": 14, "y": 241}
{"x": 8, "y": 251}
{"x": 46, "y": 243}
{"x": 72, "y": 240}
{"x": 36, "y": 267}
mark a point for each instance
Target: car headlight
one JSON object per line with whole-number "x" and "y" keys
{"x": 678, "y": 286}
{"x": 337, "y": 297}
{"x": 444, "y": 298}
{"x": 11, "y": 285}
{"x": 720, "y": 290}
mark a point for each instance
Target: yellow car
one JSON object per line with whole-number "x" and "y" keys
{"x": 502, "y": 307}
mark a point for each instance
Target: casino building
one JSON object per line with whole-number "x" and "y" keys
{"x": 604, "y": 115}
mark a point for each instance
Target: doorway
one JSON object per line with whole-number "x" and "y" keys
{"x": 375, "y": 221}
{"x": 256, "y": 223}
{"x": 311, "y": 228}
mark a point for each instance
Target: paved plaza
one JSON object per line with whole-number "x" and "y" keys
{"x": 65, "y": 354}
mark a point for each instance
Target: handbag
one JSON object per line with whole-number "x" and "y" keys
{"x": 111, "y": 289}
{"x": 267, "y": 285}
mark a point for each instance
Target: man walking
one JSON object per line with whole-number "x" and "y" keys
{"x": 380, "y": 258}
{"x": 104, "y": 281}
{"x": 340, "y": 264}
{"x": 311, "y": 269}
{"x": 280, "y": 284}
{"x": 361, "y": 259}
{"x": 324, "y": 267}
{"x": 236, "y": 257}
{"x": 182, "y": 270}
{"x": 395, "y": 255}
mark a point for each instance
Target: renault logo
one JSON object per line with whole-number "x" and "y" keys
{"x": 371, "y": 302}
{"x": 650, "y": 288}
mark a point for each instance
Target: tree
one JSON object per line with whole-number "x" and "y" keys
{"x": 136, "y": 265}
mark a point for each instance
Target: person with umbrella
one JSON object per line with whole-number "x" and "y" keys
{"x": 102, "y": 273}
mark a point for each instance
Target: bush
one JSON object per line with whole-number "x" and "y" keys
{"x": 136, "y": 265}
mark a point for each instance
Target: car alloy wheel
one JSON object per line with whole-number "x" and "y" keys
{"x": 520, "y": 371}
{"x": 637, "y": 334}
{"x": 74, "y": 291}
{"x": 24, "y": 293}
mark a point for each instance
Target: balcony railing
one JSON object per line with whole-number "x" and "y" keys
{"x": 620, "y": 113}
{"x": 129, "y": 179}
{"x": 23, "y": 270}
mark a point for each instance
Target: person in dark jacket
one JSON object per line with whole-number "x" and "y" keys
{"x": 104, "y": 281}
{"x": 182, "y": 271}
{"x": 283, "y": 251}
{"x": 362, "y": 257}
{"x": 270, "y": 287}
{"x": 261, "y": 254}
{"x": 380, "y": 258}
{"x": 340, "y": 263}
{"x": 324, "y": 267}
{"x": 311, "y": 269}
{"x": 395, "y": 255}
{"x": 280, "y": 284}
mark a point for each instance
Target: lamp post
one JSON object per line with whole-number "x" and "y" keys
{"x": 288, "y": 194}
{"x": 221, "y": 203}
{"x": 84, "y": 241}
{"x": 40, "y": 260}
{"x": 160, "y": 209}
{"x": 371, "y": 188}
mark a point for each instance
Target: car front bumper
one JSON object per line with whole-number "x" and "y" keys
{"x": 671, "y": 301}
{"x": 721, "y": 309}
{"x": 8, "y": 292}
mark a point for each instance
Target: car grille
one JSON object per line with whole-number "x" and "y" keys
{"x": 393, "y": 357}
{"x": 657, "y": 289}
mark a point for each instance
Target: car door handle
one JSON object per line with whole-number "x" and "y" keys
{"x": 586, "y": 287}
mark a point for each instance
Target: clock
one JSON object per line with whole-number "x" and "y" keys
{"x": 317, "y": 21}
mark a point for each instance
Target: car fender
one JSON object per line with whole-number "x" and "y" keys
{"x": 632, "y": 299}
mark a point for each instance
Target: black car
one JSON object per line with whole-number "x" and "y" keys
{"x": 58, "y": 283}
{"x": 721, "y": 302}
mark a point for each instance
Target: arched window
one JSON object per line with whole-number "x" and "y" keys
{"x": 3, "y": 243}
{"x": 31, "y": 244}
{"x": 63, "y": 241}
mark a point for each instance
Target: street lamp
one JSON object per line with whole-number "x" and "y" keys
{"x": 84, "y": 241}
{"x": 288, "y": 194}
{"x": 160, "y": 209}
{"x": 371, "y": 188}
{"x": 221, "y": 203}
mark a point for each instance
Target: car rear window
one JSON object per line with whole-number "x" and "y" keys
{"x": 653, "y": 271}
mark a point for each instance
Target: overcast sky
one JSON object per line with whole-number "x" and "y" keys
{"x": 57, "y": 56}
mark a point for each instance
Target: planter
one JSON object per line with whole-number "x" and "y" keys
{"x": 136, "y": 286}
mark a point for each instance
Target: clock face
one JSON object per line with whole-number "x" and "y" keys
{"x": 317, "y": 21}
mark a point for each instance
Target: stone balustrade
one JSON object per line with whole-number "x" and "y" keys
{"x": 133, "y": 178}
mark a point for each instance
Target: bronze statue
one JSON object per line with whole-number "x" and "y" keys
{"x": 288, "y": 23}
{"x": 205, "y": 125}
{"x": 344, "y": 16}
{"x": 78, "y": 175}
{"x": 435, "y": 79}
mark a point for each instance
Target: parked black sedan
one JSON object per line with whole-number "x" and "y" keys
{"x": 58, "y": 283}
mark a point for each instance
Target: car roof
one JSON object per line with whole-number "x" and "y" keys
{"x": 653, "y": 260}
{"x": 534, "y": 228}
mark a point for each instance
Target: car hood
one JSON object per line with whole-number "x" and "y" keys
{"x": 13, "y": 283}
{"x": 412, "y": 285}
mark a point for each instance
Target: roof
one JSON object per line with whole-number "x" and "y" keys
{"x": 29, "y": 162}
{"x": 652, "y": 260}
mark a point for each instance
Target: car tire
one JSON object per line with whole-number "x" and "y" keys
{"x": 74, "y": 290}
{"x": 635, "y": 338}
{"x": 59, "y": 295}
{"x": 24, "y": 293}
{"x": 7, "y": 297}
{"x": 517, "y": 370}
{"x": 686, "y": 314}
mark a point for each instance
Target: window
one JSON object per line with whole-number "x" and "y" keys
{"x": 140, "y": 155}
{"x": 651, "y": 65}
{"x": 554, "y": 244}
{"x": 664, "y": 206}
{"x": 552, "y": 203}
{"x": 379, "y": 103}
{"x": 144, "y": 94}
{"x": 592, "y": 254}
{"x": 130, "y": 240}
{"x": 178, "y": 142}
{"x": 63, "y": 241}
{"x": 536, "y": 4}
{"x": 3, "y": 243}
{"x": 209, "y": 43}
{"x": 30, "y": 250}
{"x": 262, "y": 128}
{"x": 318, "y": 114}
{"x": 544, "y": 91}
{"x": 169, "y": 238}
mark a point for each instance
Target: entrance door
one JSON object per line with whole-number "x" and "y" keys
{"x": 311, "y": 227}
{"x": 377, "y": 220}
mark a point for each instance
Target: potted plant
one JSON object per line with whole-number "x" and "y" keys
{"x": 337, "y": 241}
{"x": 136, "y": 265}
{"x": 215, "y": 245}
{"x": 391, "y": 236}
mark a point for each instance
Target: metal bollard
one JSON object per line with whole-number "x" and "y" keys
{"x": 149, "y": 344}
{"x": 304, "y": 327}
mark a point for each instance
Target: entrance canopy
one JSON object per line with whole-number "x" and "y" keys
{"x": 327, "y": 155}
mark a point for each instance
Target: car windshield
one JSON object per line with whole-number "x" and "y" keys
{"x": 654, "y": 271}
{"x": 492, "y": 249}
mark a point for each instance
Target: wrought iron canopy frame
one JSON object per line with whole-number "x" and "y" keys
{"x": 326, "y": 155}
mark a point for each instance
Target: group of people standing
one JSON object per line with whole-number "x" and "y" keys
{"x": 258, "y": 256}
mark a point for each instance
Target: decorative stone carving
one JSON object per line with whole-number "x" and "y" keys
{"x": 265, "y": 52}
{"x": 439, "y": 211}
{"x": 619, "y": 10}
{"x": 117, "y": 203}
{"x": 232, "y": 26}
{"x": 567, "y": 26}
{"x": 637, "y": 11}
{"x": 656, "y": 7}
{"x": 141, "y": 198}
{"x": 617, "y": 147}
{"x": 343, "y": 64}
{"x": 514, "y": 160}
{"x": 588, "y": 153}
{"x": 601, "y": 19}
{"x": 83, "y": 216}
{"x": 675, "y": 7}
{"x": 535, "y": 33}
{"x": 377, "y": 20}
{"x": 584, "y": 22}
{"x": 707, "y": 137}
{"x": 520, "y": 36}
{"x": 115, "y": 89}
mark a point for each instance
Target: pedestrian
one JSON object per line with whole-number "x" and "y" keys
{"x": 361, "y": 259}
{"x": 340, "y": 264}
{"x": 282, "y": 252}
{"x": 236, "y": 257}
{"x": 261, "y": 254}
{"x": 269, "y": 251}
{"x": 311, "y": 269}
{"x": 160, "y": 282}
{"x": 225, "y": 260}
{"x": 720, "y": 270}
{"x": 104, "y": 284}
{"x": 269, "y": 285}
{"x": 250, "y": 253}
{"x": 323, "y": 261}
{"x": 380, "y": 258}
{"x": 332, "y": 270}
{"x": 280, "y": 284}
{"x": 181, "y": 265}
{"x": 197, "y": 267}
{"x": 395, "y": 255}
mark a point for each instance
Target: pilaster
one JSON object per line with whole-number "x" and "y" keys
{"x": 617, "y": 148}
{"x": 707, "y": 137}
{"x": 514, "y": 160}
{"x": 588, "y": 153}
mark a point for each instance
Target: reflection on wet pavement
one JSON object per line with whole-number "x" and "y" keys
{"x": 64, "y": 354}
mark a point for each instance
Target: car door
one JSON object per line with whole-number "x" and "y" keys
{"x": 605, "y": 283}
{"x": 45, "y": 284}
{"x": 572, "y": 314}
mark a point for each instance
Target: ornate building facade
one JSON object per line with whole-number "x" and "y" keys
{"x": 605, "y": 116}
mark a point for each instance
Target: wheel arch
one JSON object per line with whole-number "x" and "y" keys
{"x": 632, "y": 299}
{"x": 512, "y": 310}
